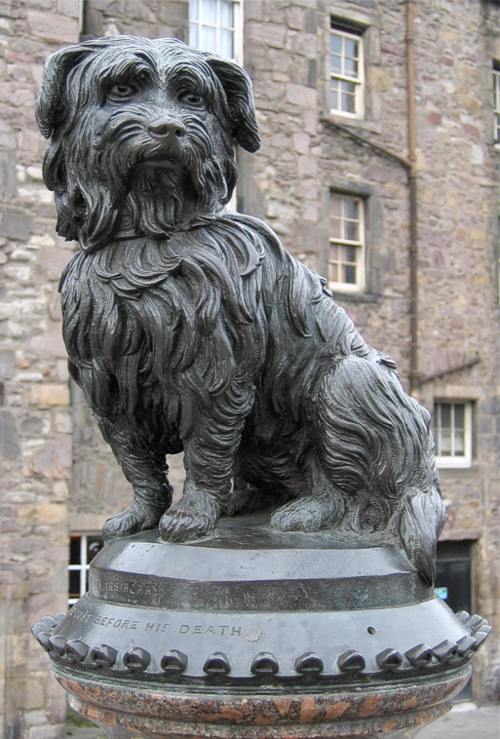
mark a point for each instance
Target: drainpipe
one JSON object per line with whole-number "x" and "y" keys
{"x": 412, "y": 175}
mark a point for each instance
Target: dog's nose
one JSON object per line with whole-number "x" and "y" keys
{"x": 166, "y": 127}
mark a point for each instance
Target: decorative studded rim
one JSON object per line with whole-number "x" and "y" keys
{"x": 264, "y": 667}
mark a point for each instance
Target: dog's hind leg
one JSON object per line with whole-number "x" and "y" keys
{"x": 146, "y": 470}
{"x": 209, "y": 456}
{"x": 320, "y": 507}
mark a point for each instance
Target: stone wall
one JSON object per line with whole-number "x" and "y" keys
{"x": 58, "y": 475}
{"x": 36, "y": 417}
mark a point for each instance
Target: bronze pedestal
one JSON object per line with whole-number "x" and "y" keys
{"x": 259, "y": 634}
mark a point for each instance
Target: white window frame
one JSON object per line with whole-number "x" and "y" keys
{"x": 455, "y": 461}
{"x": 360, "y": 246}
{"x": 83, "y": 566}
{"x": 496, "y": 104}
{"x": 359, "y": 81}
{"x": 237, "y": 29}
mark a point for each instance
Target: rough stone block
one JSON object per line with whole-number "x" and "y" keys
{"x": 7, "y": 363}
{"x": 54, "y": 461}
{"x": 15, "y": 223}
{"x": 49, "y": 394}
{"x": 9, "y": 444}
{"x": 301, "y": 95}
{"x": 49, "y": 344}
{"x": 53, "y": 27}
{"x": 54, "y": 260}
{"x": 7, "y": 174}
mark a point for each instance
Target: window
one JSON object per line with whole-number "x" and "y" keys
{"x": 215, "y": 25}
{"x": 346, "y": 72}
{"x": 347, "y": 238}
{"x": 82, "y": 550}
{"x": 453, "y": 433}
{"x": 496, "y": 100}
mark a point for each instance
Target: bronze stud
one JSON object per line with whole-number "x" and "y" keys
{"x": 76, "y": 650}
{"x": 351, "y": 661}
{"x": 309, "y": 664}
{"x": 389, "y": 659}
{"x": 420, "y": 656}
{"x": 264, "y": 663}
{"x": 217, "y": 664}
{"x": 103, "y": 655}
{"x": 174, "y": 662}
{"x": 136, "y": 659}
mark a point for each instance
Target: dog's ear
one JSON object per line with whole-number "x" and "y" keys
{"x": 50, "y": 105}
{"x": 238, "y": 88}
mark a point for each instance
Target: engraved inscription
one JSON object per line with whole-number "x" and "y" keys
{"x": 146, "y": 590}
{"x": 83, "y": 615}
{"x": 88, "y": 617}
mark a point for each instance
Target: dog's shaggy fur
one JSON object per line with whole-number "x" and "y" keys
{"x": 192, "y": 329}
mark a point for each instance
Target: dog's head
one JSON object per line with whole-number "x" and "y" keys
{"x": 141, "y": 135}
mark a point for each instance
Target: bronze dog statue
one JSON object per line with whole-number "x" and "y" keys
{"x": 192, "y": 329}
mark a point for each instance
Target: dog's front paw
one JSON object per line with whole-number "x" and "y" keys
{"x": 134, "y": 519}
{"x": 185, "y": 521}
{"x": 310, "y": 513}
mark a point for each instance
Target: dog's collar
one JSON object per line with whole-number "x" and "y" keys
{"x": 127, "y": 231}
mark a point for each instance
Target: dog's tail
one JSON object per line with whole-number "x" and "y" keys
{"x": 420, "y": 521}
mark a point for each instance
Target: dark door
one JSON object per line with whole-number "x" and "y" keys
{"x": 453, "y": 584}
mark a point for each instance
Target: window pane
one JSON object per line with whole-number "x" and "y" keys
{"x": 445, "y": 415}
{"x": 350, "y": 274}
{"x": 351, "y": 208}
{"x": 348, "y": 103}
{"x": 209, "y": 11}
{"x": 208, "y": 39}
{"x": 351, "y": 67}
{"x": 334, "y": 95}
{"x": 334, "y": 273}
{"x": 336, "y": 44}
{"x": 336, "y": 64}
{"x": 351, "y": 48}
{"x": 459, "y": 443}
{"x": 86, "y": 581}
{"x": 445, "y": 449}
{"x": 227, "y": 14}
{"x": 193, "y": 10}
{"x": 226, "y": 44}
{"x": 193, "y": 35}
{"x": 94, "y": 545}
{"x": 74, "y": 550}
{"x": 336, "y": 228}
{"x": 350, "y": 254}
{"x": 335, "y": 252}
{"x": 74, "y": 583}
{"x": 459, "y": 416}
{"x": 352, "y": 230}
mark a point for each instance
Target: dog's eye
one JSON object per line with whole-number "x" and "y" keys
{"x": 122, "y": 91}
{"x": 191, "y": 98}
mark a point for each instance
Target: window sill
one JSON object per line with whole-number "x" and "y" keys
{"x": 447, "y": 468}
{"x": 353, "y": 297}
{"x": 336, "y": 119}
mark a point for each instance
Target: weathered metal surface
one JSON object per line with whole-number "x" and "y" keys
{"x": 190, "y": 328}
{"x": 301, "y": 609}
{"x": 151, "y": 657}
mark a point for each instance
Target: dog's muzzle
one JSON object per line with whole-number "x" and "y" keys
{"x": 166, "y": 129}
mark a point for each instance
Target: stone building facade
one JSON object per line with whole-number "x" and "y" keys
{"x": 58, "y": 478}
